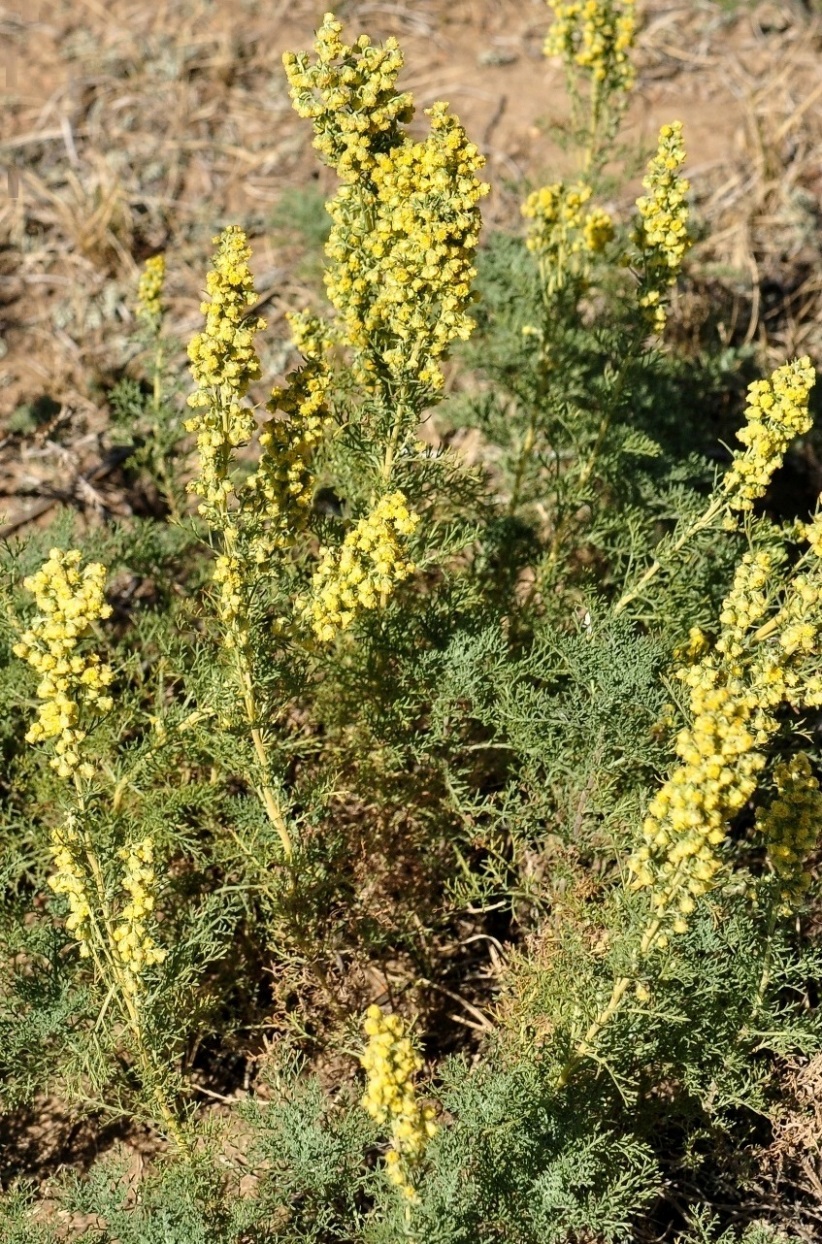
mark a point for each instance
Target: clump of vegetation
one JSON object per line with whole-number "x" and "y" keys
{"x": 375, "y": 710}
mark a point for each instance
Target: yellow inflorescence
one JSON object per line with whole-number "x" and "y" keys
{"x": 777, "y": 412}
{"x": 391, "y": 1063}
{"x": 223, "y": 363}
{"x": 365, "y": 570}
{"x": 662, "y": 228}
{"x": 135, "y": 948}
{"x": 812, "y": 532}
{"x": 406, "y": 220}
{"x": 736, "y": 690}
{"x": 597, "y": 231}
{"x": 402, "y": 256}
{"x": 350, "y": 95}
{"x": 150, "y": 290}
{"x": 562, "y": 230}
{"x": 70, "y": 600}
{"x": 69, "y": 879}
{"x": 790, "y": 825}
{"x": 595, "y": 36}
{"x": 282, "y": 483}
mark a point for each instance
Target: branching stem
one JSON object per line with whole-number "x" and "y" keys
{"x": 704, "y": 521}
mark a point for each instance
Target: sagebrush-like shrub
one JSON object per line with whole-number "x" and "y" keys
{"x": 352, "y": 711}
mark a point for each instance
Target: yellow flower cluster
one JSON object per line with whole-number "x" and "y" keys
{"x": 364, "y": 571}
{"x": 595, "y": 36}
{"x": 282, "y": 483}
{"x": 69, "y": 600}
{"x": 223, "y": 364}
{"x": 662, "y": 229}
{"x": 402, "y": 252}
{"x": 812, "y": 532}
{"x": 350, "y": 95}
{"x": 562, "y": 230}
{"x": 391, "y": 1063}
{"x": 790, "y": 825}
{"x": 777, "y": 412}
{"x": 135, "y": 948}
{"x": 597, "y": 231}
{"x": 406, "y": 220}
{"x": 69, "y": 879}
{"x": 150, "y": 291}
{"x": 736, "y": 691}
{"x": 232, "y": 602}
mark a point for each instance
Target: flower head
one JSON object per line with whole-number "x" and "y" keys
{"x": 790, "y": 825}
{"x": 69, "y": 879}
{"x": 777, "y": 412}
{"x": 391, "y": 1064}
{"x": 562, "y": 233}
{"x": 364, "y": 571}
{"x": 69, "y": 599}
{"x": 150, "y": 291}
{"x": 136, "y": 950}
{"x": 661, "y": 233}
{"x": 281, "y": 488}
{"x": 350, "y": 94}
{"x": 595, "y": 36}
{"x": 736, "y": 691}
{"x": 406, "y": 219}
{"x": 224, "y": 363}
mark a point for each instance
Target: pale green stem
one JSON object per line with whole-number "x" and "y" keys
{"x": 266, "y": 791}
{"x": 705, "y": 519}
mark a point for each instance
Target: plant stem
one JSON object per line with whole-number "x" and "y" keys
{"x": 112, "y": 968}
{"x": 699, "y": 524}
{"x": 621, "y": 985}
{"x": 396, "y": 430}
{"x": 266, "y": 790}
{"x": 593, "y": 128}
{"x": 525, "y": 449}
{"x": 245, "y": 679}
{"x": 765, "y": 977}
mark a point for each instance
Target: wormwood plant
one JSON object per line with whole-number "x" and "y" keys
{"x": 355, "y": 706}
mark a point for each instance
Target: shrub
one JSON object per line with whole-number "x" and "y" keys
{"x": 359, "y": 706}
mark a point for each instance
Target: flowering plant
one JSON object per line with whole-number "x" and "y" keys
{"x": 451, "y": 823}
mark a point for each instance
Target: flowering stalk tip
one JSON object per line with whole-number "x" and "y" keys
{"x": 391, "y": 1064}
{"x": 70, "y": 600}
